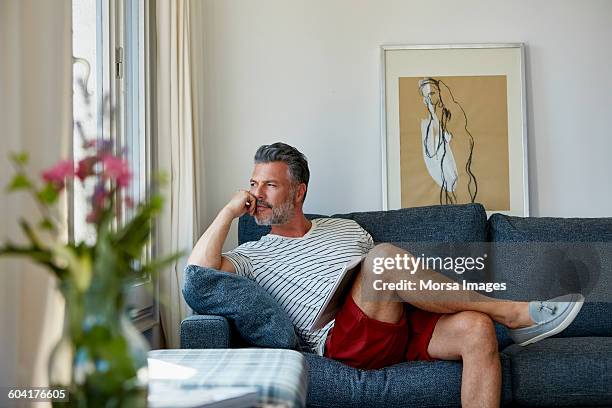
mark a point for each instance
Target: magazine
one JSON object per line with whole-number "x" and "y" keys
{"x": 335, "y": 297}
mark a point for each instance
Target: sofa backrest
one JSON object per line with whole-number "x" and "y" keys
{"x": 543, "y": 257}
{"x": 546, "y": 257}
{"x": 248, "y": 230}
{"x": 438, "y": 223}
{"x": 504, "y": 228}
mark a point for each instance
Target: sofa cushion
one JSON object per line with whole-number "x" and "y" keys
{"x": 563, "y": 372}
{"x": 540, "y": 258}
{"x": 548, "y": 257}
{"x": 436, "y": 223}
{"x": 411, "y": 384}
{"x": 248, "y": 230}
{"x": 504, "y": 228}
{"x": 249, "y": 308}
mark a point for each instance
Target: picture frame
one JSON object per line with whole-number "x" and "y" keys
{"x": 454, "y": 127}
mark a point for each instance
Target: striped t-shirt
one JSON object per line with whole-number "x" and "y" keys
{"x": 299, "y": 272}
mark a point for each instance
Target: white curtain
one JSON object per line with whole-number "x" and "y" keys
{"x": 35, "y": 116}
{"x": 178, "y": 147}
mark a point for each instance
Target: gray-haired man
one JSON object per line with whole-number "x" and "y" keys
{"x": 298, "y": 262}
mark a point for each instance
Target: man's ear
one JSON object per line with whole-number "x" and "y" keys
{"x": 301, "y": 192}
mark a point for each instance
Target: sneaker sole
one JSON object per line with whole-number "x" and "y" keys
{"x": 562, "y": 326}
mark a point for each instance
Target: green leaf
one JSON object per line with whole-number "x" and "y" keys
{"x": 20, "y": 159}
{"x": 43, "y": 257}
{"x": 19, "y": 182}
{"x": 48, "y": 194}
{"x": 29, "y": 232}
{"x": 161, "y": 178}
{"x": 106, "y": 268}
{"x": 132, "y": 238}
{"x": 46, "y": 224}
{"x": 79, "y": 267}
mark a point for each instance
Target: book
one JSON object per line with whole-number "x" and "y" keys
{"x": 335, "y": 297}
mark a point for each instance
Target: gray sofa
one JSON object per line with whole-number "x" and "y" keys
{"x": 573, "y": 369}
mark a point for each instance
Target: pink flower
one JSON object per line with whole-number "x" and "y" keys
{"x": 118, "y": 169}
{"x": 58, "y": 173}
{"x": 98, "y": 199}
{"x": 85, "y": 167}
{"x": 92, "y": 217}
{"x": 124, "y": 179}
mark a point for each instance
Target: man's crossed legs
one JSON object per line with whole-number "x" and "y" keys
{"x": 375, "y": 331}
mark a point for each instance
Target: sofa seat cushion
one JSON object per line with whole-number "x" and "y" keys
{"x": 410, "y": 384}
{"x": 255, "y": 315}
{"x": 562, "y": 372}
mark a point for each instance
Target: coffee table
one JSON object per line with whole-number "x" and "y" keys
{"x": 279, "y": 376}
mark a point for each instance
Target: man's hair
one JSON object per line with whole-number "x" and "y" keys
{"x": 281, "y": 152}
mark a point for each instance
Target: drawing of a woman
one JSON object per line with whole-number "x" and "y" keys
{"x": 447, "y": 153}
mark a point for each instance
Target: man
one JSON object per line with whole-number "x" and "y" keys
{"x": 298, "y": 262}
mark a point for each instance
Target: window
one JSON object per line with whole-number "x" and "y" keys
{"x": 111, "y": 55}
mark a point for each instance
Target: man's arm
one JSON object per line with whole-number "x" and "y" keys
{"x": 207, "y": 251}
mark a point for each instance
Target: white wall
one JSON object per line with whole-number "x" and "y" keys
{"x": 306, "y": 72}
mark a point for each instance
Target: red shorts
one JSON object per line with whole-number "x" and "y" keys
{"x": 366, "y": 343}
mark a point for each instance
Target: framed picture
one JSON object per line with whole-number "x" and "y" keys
{"x": 454, "y": 126}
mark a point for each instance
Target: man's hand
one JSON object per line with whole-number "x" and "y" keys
{"x": 241, "y": 203}
{"x": 207, "y": 251}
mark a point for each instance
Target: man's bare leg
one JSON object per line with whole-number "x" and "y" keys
{"x": 466, "y": 331}
{"x": 509, "y": 313}
{"x": 467, "y": 336}
{"x": 470, "y": 337}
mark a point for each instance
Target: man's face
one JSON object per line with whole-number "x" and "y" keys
{"x": 275, "y": 193}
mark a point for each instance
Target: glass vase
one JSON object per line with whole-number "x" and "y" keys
{"x": 101, "y": 358}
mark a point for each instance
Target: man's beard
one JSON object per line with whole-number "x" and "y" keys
{"x": 281, "y": 214}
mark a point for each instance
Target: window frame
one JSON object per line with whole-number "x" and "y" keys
{"x": 128, "y": 123}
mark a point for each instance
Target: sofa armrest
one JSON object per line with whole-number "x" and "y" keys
{"x": 205, "y": 332}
